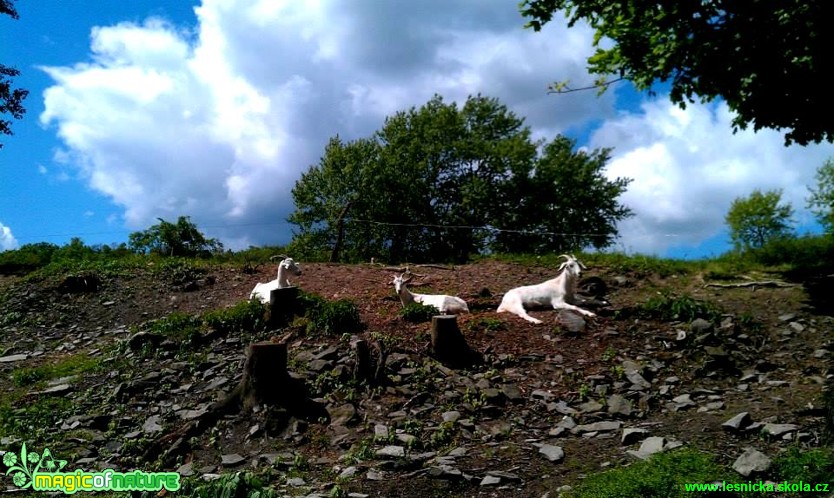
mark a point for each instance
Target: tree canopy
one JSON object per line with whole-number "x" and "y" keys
{"x": 758, "y": 219}
{"x": 821, "y": 200}
{"x": 767, "y": 59}
{"x": 173, "y": 239}
{"x": 11, "y": 99}
{"x": 443, "y": 183}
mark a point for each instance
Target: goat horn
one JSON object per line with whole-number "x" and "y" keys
{"x": 566, "y": 256}
{"x": 281, "y": 256}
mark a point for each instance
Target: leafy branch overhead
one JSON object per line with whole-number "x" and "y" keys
{"x": 11, "y": 99}
{"x": 768, "y": 60}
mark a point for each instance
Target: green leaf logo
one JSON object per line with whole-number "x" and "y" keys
{"x": 30, "y": 462}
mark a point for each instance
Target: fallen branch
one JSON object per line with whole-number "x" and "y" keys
{"x": 764, "y": 283}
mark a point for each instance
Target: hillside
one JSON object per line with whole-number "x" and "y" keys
{"x": 85, "y": 371}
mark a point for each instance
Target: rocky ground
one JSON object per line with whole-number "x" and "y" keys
{"x": 550, "y": 403}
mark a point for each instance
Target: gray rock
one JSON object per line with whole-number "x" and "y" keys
{"x": 13, "y": 358}
{"x": 597, "y": 427}
{"x": 512, "y": 392}
{"x": 489, "y": 480}
{"x": 751, "y": 461}
{"x": 342, "y": 414}
{"x": 590, "y": 406}
{"x": 296, "y": 482}
{"x": 391, "y": 452}
{"x": 451, "y": 416}
{"x": 348, "y": 472}
{"x": 151, "y": 425}
{"x": 650, "y": 446}
{"x": 632, "y": 435}
{"x": 619, "y": 405}
{"x": 700, "y": 326}
{"x": 231, "y": 459}
{"x": 551, "y": 452}
{"x": 776, "y": 430}
{"x": 638, "y": 382}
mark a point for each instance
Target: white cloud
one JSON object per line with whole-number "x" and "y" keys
{"x": 217, "y": 122}
{"x": 7, "y": 240}
{"x": 687, "y": 167}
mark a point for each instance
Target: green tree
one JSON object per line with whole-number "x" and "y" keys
{"x": 11, "y": 99}
{"x": 758, "y": 219}
{"x": 434, "y": 183}
{"x": 821, "y": 200}
{"x": 752, "y": 54}
{"x": 566, "y": 203}
{"x": 173, "y": 239}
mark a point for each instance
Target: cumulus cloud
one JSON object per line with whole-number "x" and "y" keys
{"x": 218, "y": 121}
{"x": 7, "y": 240}
{"x": 687, "y": 167}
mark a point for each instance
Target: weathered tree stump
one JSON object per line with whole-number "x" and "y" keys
{"x": 370, "y": 362}
{"x": 266, "y": 389}
{"x": 448, "y": 344}
{"x": 283, "y": 304}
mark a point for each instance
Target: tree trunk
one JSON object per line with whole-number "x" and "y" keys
{"x": 370, "y": 362}
{"x": 448, "y": 344}
{"x": 282, "y": 306}
{"x": 340, "y": 233}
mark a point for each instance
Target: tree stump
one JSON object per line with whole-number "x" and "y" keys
{"x": 448, "y": 344}
{"x": 282, "y": 305}
{"x": 370, "y": 362}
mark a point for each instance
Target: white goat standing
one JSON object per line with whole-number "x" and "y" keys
{"x": 450, "y": 305}
{"x": 557, "y": 292}
{"x": 286, "y": 267}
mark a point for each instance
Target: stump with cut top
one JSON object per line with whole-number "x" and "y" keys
{"x": 283, "y": 304}
{"x": 448, "y": 344}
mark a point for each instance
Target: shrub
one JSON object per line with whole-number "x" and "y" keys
{"x": 683, "y": 308}
{"x": 812, "y": 466}
{"x": 336, "y": 318}
{"x": 245, "y": 315}
{"x": 418, "y": 312}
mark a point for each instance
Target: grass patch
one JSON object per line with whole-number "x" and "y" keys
{"x": 669, "y": 307}
{"x": 67, "y": 366}
{"x": 813, "y": 466}
{"x": 661, "y": 476}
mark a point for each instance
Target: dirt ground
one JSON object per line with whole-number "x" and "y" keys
{"x": 776, "y": 340}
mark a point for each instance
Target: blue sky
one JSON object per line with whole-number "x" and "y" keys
{"x": 212, "y": 109}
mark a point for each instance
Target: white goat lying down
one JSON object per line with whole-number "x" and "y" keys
{"x": 448, "y": 305}
{"x": 557, "y": 292}
{"x": 286, "y": 267}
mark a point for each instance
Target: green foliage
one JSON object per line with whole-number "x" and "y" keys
{"x": 778, "y": 53}
{"x": 487, "y": 324}
{"x": 244, "y": 316}
{"x": 565, "y": 203}
{"x": 418, "y": 312}
{"x": 174, "y": 239}
{"x": 178, "y": 271}
{"x": 661, "y": 476}
{"x": 821, "y": 200}
{"x": 683, "y": 308}
{"x": 423, "y": 185}
{"x": 758, "y": 219}
{"x": 11, "y": 99}
{"x": 234, "y": 485}
{"x": 336, "y": 318}
{"x": 811, "y": 466}
{"x": 178, "y": 326}
{"x": 329, "y": 317}
{"x": 70, "y": 365}
{"x": 803, "y": 256}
